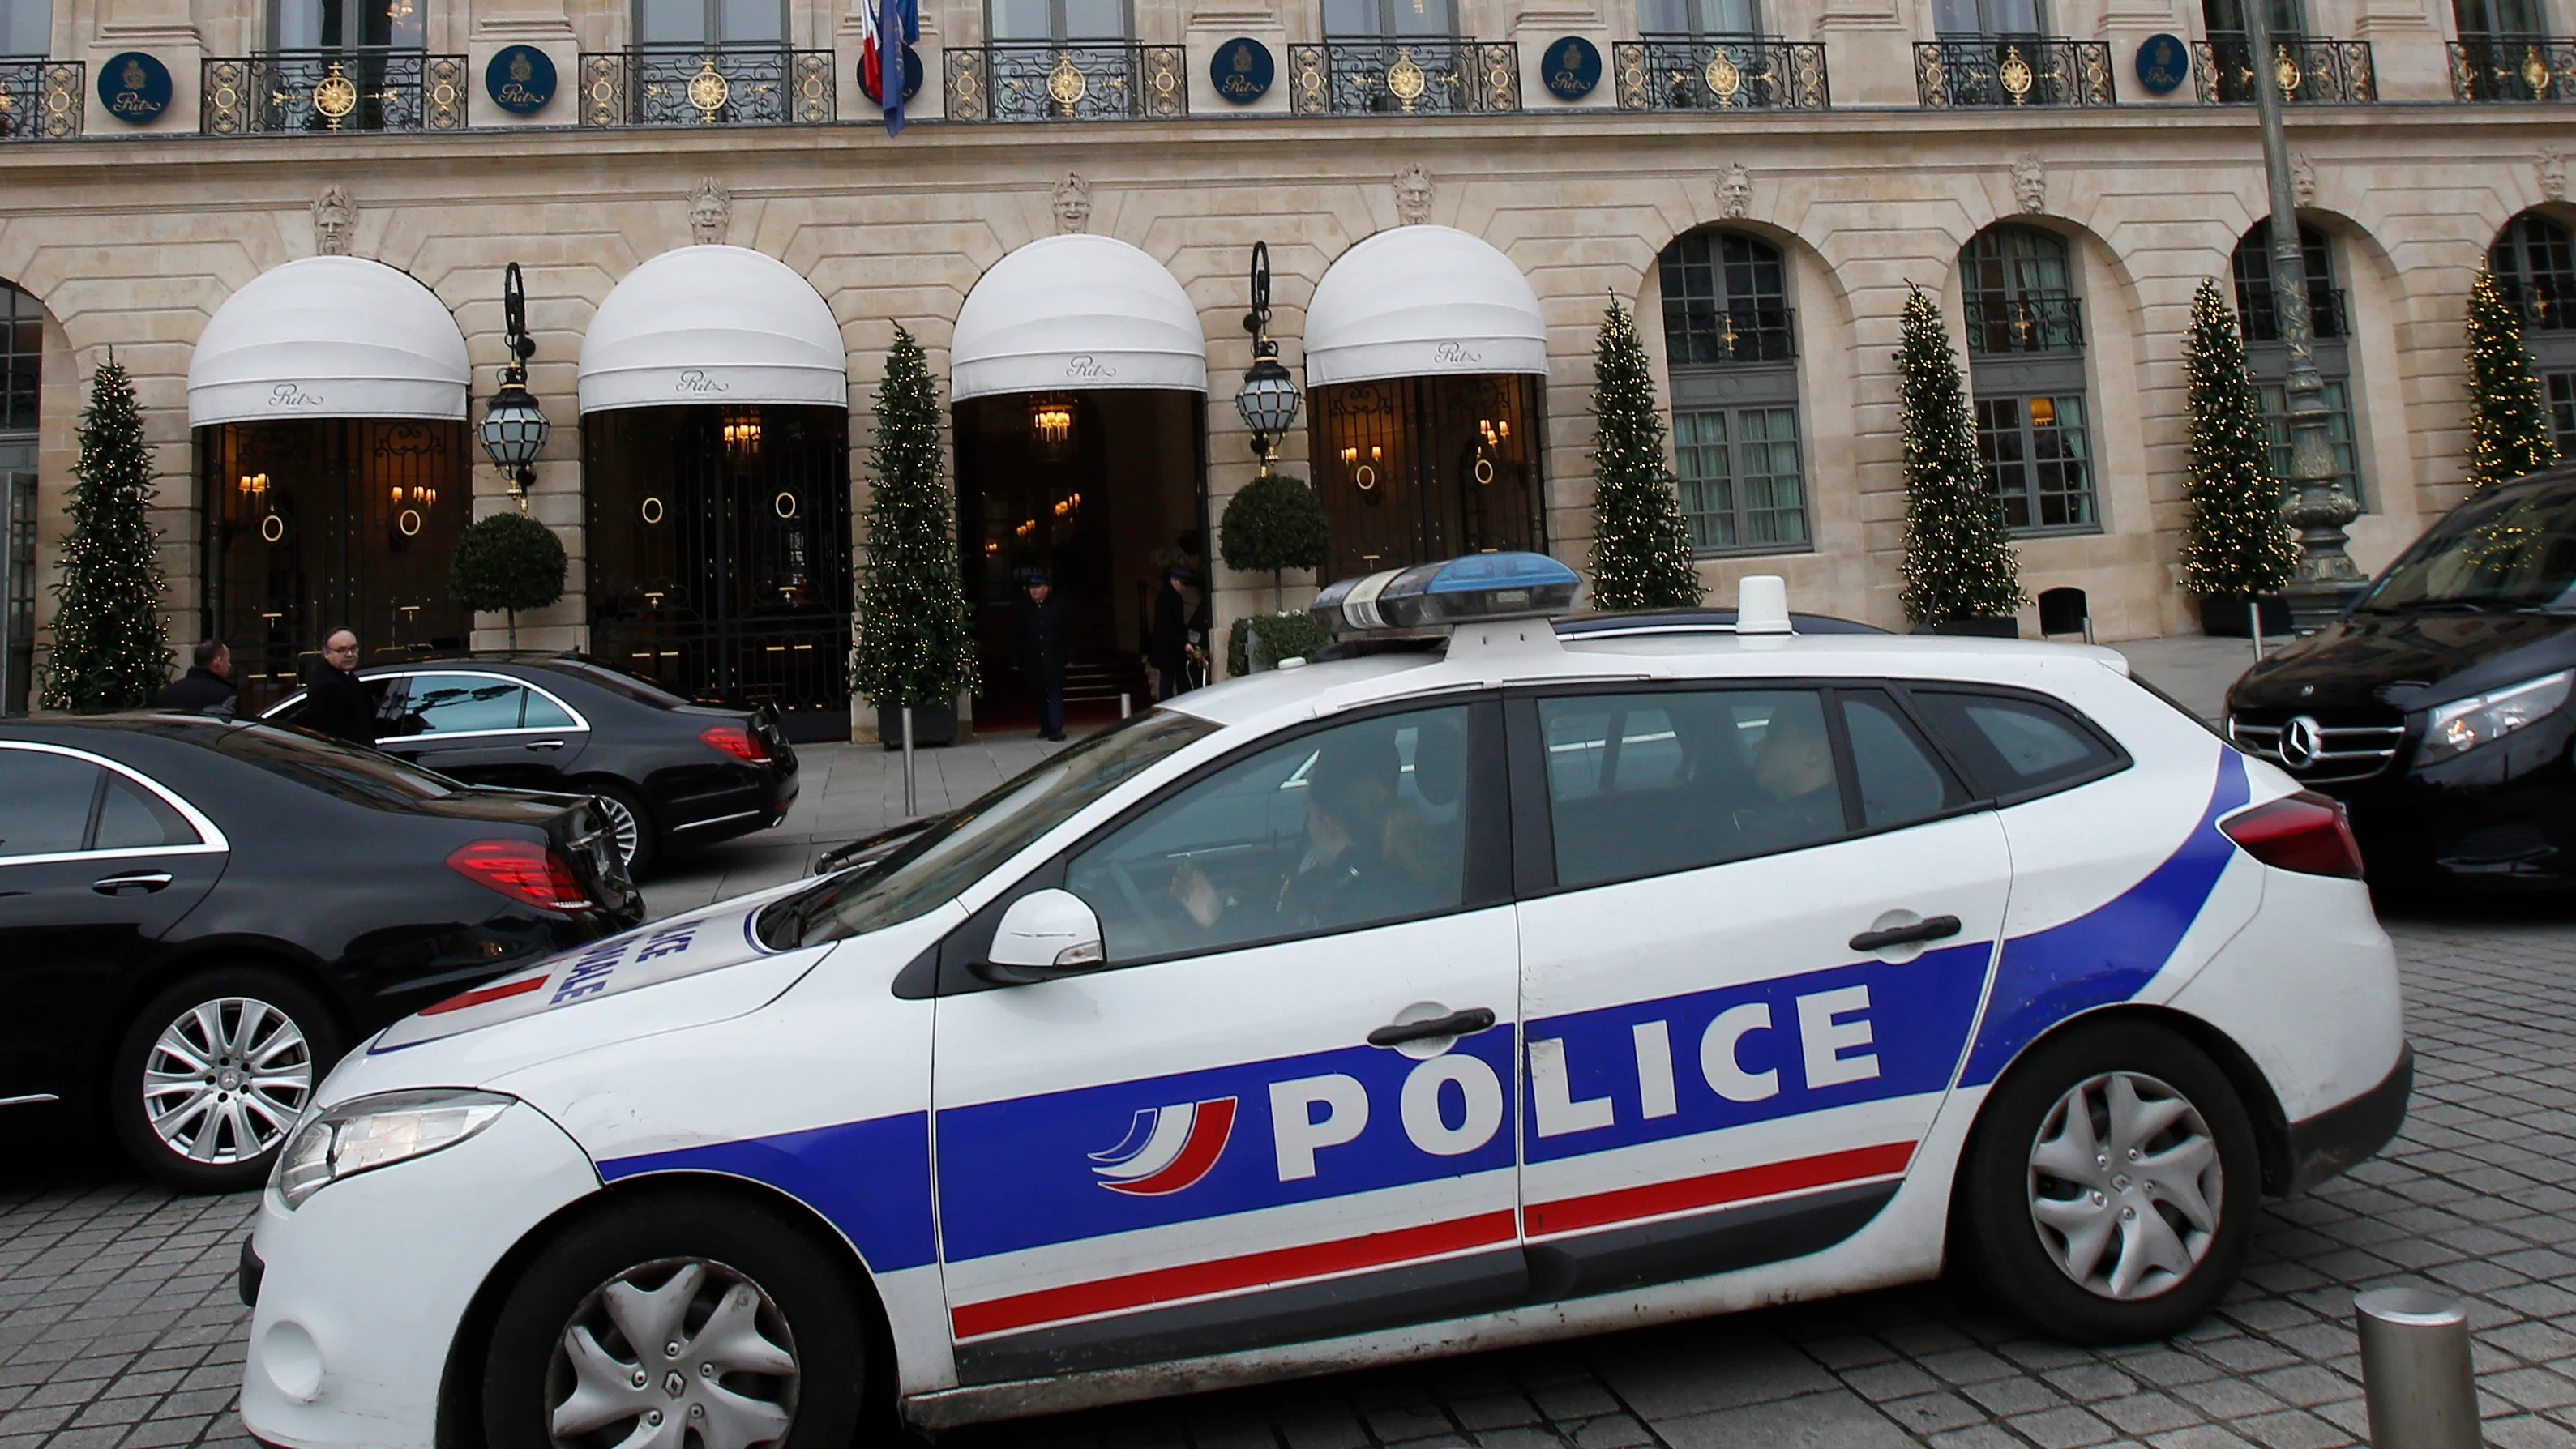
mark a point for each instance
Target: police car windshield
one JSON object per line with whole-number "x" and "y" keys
{"x": 939, "y": 863}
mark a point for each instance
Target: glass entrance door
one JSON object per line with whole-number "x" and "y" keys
{"x": 1413, "y": 469}
{"x": 719, "y": 555}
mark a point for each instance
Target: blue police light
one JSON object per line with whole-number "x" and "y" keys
{"x": 1456, "y": 591}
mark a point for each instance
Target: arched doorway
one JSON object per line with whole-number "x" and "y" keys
{"x": 1425, "y": 356}
{"x": 2534, "y": 260}
{"x": 2329, "y": 321}
{"x": 715, "y": 440}
{"x": 1731, "y": 359}
{"x": 2026, "y": 372}
{"x": 334, "y": 465}
{"x": 22, "y": 355}
{"x": 1079, "y": 398}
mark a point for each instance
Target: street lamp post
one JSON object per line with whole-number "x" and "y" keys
{"x": 1268, "y": 398}
{"x": 2319, "y": 506}
{"x": 514, "y": 428}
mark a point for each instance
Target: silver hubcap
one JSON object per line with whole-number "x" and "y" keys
{"x": 2125, "y": 1185}
{"x": 225, "y": 1081}
{"x": 680, "y": 1353}
{"x": 621, "y": 827}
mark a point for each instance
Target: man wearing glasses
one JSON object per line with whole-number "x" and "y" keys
{"x": 336, "y": 702}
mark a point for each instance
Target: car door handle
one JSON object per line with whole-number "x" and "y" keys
{"x": 545, "y": 744}
{"x": 1457, "y": 1023}
{"x": 144, "y": 881}
{"x": 1930, "y": 928}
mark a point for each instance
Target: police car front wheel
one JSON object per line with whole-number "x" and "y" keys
{"x": 677, "y": 1321}
{"x": 2109, "y": 1193}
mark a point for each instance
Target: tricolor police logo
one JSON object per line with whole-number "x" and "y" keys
{"x": 1167, "y": 1149}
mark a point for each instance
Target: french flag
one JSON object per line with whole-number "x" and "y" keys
{"x": 893, "y": 24}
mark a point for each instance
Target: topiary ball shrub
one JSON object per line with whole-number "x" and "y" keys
{"x": 1283, "y": 636}
{"x": 506, "y": 563}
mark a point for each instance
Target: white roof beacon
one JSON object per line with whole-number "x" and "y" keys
{"x": 1431, "y": 599}
{"x": 1762, "y": 605}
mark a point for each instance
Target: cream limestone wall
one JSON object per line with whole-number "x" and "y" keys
{"x": 132, "y": 243}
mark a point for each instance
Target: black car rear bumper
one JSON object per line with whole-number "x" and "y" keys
{"x": 2340, "y": 1138}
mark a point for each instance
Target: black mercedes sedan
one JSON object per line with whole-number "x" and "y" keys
{"x": 668, "y": 774}
{"x": 2437, "y": 709}
{"x": 197, "y": 917}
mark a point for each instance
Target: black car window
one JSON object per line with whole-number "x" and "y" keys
{"x": 1649, "y": 782}
{"x": 359, "y": 776}
{"x": 2012, "y": 746}
{"x": 50, "y": 797}
{"x": 459, "y": 704}
{"x": 625, "y": 686}
{"x": 1899, "y": 780}
{"x": 544, "y": 714}
{"x": 133, "y": 818}
{"x": 1351, "y": 826}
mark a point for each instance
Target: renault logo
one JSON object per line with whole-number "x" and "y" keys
{"x": 2302, "y": 740}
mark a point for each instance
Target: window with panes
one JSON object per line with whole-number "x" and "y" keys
{"x": 2491, "y": 19}
{"x": 2268, "y": 360}
{"x": 2026, "y": 373}
{"x": 1389, "y": 19}
{"x": 1698, "y": 18}
{"x": 1971, "y": 18}
{"x": 2534, "y": 260}
{"x": 1059, "y": 20}
{"x": 749, "y": 23}
{"x": 22, "y": 349}
{"x": 2039, "y": 459}
{"x": 1731, "y": 358}
{"x": 347, "y": 24}
{"x": 26, "y": 27}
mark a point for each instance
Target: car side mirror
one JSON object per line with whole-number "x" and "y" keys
{"x": 1044, "y": 934}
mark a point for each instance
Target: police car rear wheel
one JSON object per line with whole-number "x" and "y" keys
{"x": 2109, "y": 1193}
{"x": 677, "y": 1322}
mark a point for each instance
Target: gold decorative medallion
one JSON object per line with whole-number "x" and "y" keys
{"x": 1723, "y": 77}
{"x": 708, "y": 91}
{"x": 2016, "y": 74}
{"x": 1405, "y": 80}
{"x": 335, "y": 95}
{"x": 1066, "y": 84}
{"x": 2535, "y": 71}
{"x": 2286, "y": 71}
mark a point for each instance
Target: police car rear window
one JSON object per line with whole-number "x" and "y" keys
{"x": 2014, "y": 746}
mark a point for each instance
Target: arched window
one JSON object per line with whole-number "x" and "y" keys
{"x": 22, "y": 349}
{"x": 1730, "y": 345}
{"x": 2328, "y": 322}
{"x": 2534, "y": 259}
{"x": 2026, "y": 370}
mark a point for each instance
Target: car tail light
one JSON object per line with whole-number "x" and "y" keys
{"x": 738, "y": 742}
{"x": 2306, "y": 832}
{"x": 523, "y": 872}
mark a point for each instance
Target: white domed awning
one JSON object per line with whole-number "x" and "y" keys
{"x": 713, "y": 324}
{"x": 1072, "y": 312}
{"x": 329, "y": 337}
{"x": 1420, "y": 301}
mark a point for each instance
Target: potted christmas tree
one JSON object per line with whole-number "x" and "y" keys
{"x": 2508, "y": 422}
{"x": 110, "y": 649}
{"x": 913, "y": 644}
{"x": 1961, "y": 575}
{"x": 2238, "y": 550}
{"x": 1641, "y": 547}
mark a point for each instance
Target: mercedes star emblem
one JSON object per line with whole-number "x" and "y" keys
{"x": 2302, "y": 740}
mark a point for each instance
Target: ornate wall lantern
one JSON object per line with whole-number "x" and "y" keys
{"x": 1268, "y": 399}
{"x": 514, "y": 428}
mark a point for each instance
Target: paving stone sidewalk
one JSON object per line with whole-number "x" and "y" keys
{"x": 119, "y": 1329}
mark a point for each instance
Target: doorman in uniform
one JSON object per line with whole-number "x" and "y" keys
{"x": 1043, "y": 647}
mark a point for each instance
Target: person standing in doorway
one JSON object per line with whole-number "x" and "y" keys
{"x": 1043, "y": 647}
{"x": 207, "y": 687}
{"x": 336, "y": 702}
{"x": 1168, "y": 647}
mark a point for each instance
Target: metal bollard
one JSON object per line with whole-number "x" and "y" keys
{"x": 2415, "y": 1370}
{"x": 1122, "y": 704}
{"x": 911, "y": 799}
{"x": 2254, "y": 625}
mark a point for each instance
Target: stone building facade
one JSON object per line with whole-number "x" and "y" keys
{"x": 1770, "y": 217}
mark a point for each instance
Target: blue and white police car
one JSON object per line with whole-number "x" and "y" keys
{"x": 1479, "y": 988}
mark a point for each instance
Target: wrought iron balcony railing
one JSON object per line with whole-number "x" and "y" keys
{"x": 2546, "y": 306}
{"x": 1998, "y": 325}
{"x": 2317, "y": 72}
{"x": 1682, "y": 73}
{"x": 2262, "y": 320}
{"x": 40, "y": 99}
{"x": 315, "y": 92}
{"x": 2013, "y": 70}
{"x": 2513, "y": 68}
{"x": 707, "y": 86}
{"x": 1080, "y": 80}
{"x": 1736, "y": 336}
{"x": 1429, "y": 77}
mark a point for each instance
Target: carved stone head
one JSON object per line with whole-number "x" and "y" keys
{"x": 1072, "y": 204}
{"x": 335, "y": 217}
{"x": 2303, "y": 178}
{"x": 1735, "y": 192}
{"x": 2030, "y": 184}
{"x": 710, "y": 213}
{"x": 1413, "y": 194}
{"x": 2553, "y": 173}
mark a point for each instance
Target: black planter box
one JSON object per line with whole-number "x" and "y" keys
{"x": 2000, "y": 627}
{"x": 932, "y": 724}
{"x": 2225, "y": 618}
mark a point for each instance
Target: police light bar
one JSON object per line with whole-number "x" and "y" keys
{"x": 1435, "y": 596}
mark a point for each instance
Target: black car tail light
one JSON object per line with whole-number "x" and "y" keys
{"x": 522, "y": 871}
{"x": 738, "y": 742}
{"x": 2306, "y": 832}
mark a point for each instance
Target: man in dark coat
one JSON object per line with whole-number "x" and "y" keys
{"x": 1043, "y": 649}
{"x": 1167, "y": 647}
{"x": 336, "y": 702}
{"x": 207, "y": 687}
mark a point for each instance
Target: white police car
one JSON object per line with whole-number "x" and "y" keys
{"x": 1429, "y": 1000}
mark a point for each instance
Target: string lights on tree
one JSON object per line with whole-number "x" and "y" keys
{"x": 1641, "y": 546}
{"x": 2238, "y": 545}
{"x": 1958, "y": 562}
{"x": 913, "y": 645}
{"x": 2508, "y": 422}
{"x": 110, "y": 647}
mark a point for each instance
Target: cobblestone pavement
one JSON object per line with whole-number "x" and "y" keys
{"x": 119, "y": 1329}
